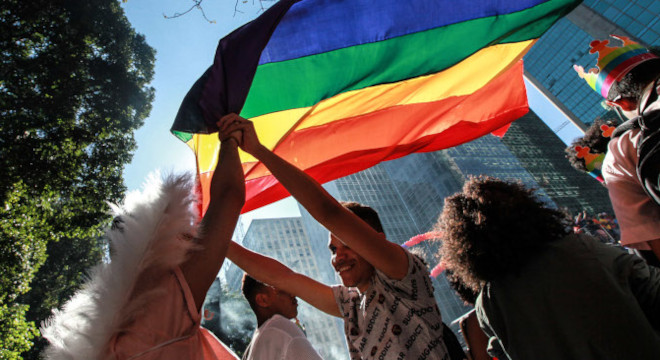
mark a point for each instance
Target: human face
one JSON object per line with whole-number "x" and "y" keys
{"x": 283, "y": 303}
{"x": 353, "y": 269}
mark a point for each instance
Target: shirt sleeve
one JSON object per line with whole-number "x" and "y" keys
{"x": 416, "y": 285}
{"x": 345, "y": 298}
{"x": 638, "y": 216}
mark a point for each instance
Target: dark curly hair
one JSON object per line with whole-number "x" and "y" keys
{"x": 633, "y": 83}
{"x": 493, "y": 227}
{"x": 592, "y": 138}
{"x": 467, "y": 294}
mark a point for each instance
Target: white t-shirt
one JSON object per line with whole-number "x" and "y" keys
{"x": 280, "y": 339}
{"x": 637, "y": 214}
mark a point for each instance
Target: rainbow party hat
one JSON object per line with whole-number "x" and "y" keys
{"x": 613, "y": 63}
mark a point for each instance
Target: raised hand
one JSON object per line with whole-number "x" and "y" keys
{"x": 227, "y": 131}
{"x": 249, "y": 141}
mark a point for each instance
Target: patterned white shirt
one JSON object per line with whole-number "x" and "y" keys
{"x": 393, "y": 319}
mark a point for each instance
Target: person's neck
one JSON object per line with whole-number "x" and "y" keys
{"x": 364, "y": 286}
{"x": 262, "y": 318}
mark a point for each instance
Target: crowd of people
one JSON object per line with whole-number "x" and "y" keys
{"x": 602, "y": 226}
{"x": 543, "y": 285}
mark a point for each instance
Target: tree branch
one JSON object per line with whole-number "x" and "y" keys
{"x": 198, "y": 5}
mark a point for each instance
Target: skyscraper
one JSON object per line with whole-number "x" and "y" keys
{"x": 489, "y": 156}
{"x": 541, "y": 153}
{"x": 549, "y": 64}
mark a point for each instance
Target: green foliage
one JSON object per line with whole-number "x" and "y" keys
{"x": 74, "y": 87}
{"x": 15, "y": 338}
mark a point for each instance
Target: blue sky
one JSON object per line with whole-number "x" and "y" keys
{"x": 185, "y": 48}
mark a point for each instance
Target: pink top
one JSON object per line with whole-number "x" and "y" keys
{"x": 638, "y": 216}
{"x": 169, "y": 329}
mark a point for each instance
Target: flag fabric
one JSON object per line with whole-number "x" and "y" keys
{"x": 337, "y": 86}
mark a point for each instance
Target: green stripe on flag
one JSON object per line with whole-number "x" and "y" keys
{"x": 305, "y": 81}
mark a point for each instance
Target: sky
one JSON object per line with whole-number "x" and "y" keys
{"x": 185, "y": 47}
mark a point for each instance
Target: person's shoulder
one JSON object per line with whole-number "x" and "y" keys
{"x": 623, "y": 143}
{"x": 583, "y": 245}
{"x": 621, "y": 158}
{"x": 416, "y": 264}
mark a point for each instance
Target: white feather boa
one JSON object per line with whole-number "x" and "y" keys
{"x": 146, "y": 244}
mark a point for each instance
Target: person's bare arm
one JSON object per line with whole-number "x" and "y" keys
{"x": 274, "y": 273}
{"x": 348, "y": 227}
{"x": 217, "y": 226}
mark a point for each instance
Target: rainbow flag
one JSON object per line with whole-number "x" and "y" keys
{"x": 337, "y": 86}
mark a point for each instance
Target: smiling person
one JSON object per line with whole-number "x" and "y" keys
{"x": 276, "y": 337}
{"x": 386, "y": 297}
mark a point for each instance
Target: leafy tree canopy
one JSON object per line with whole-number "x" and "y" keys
{"x": 74, "y": 86}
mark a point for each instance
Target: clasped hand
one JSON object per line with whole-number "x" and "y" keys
{"x": 232, "y": 126}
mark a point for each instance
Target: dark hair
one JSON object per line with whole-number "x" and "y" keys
{"x": 366, "y": 213}
{"x": 493, "y": 227}
{"x": 594, "y": 139}
{"x": 250, "y": 288}
{"x": 632, "y": 84}
{"x": 465, "y": 293}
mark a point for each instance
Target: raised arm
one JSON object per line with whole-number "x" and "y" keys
{"x": 217, "y": 226}
{"x": 274, "y": 273}
{"x": 355, "y": 233}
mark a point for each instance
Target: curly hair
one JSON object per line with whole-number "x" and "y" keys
{"x": 592, "y": 138}
{"x": 633, "y": 83}
{"x": 467, "y": 294}
{"x": 493, "y": 227}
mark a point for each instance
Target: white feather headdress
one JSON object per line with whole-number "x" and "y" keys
{"x": 146, "y": 242}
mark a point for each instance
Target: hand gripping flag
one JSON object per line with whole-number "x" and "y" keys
{"x": 337, "y": 86}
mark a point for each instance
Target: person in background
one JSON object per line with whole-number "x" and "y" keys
{"x": 276, "y": 336}
{"x": 625, "y": 75}
{"x": 545, "y": 293}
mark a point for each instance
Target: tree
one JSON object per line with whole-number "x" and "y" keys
{"x": 74, "y": 87}
{"x": 58, "y": 278}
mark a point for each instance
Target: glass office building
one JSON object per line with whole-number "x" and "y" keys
{"x": 542, "y": 154}
{"x": 549, "y": 64}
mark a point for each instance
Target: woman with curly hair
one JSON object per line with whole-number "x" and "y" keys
{"x": 546, "y": 293}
